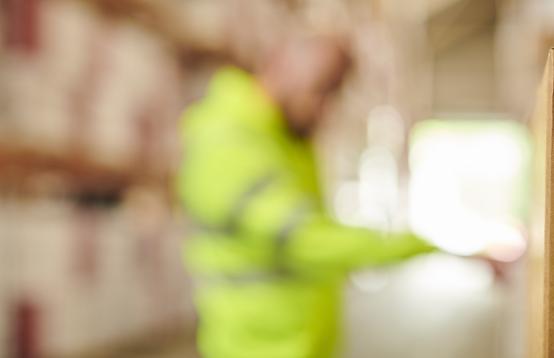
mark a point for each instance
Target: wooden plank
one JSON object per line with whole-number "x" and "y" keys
{"x": 541, "y": 255}
{"x": 463, "y": 19}
{"x": 20, "y": 165}
{"x": 548, "y": 254}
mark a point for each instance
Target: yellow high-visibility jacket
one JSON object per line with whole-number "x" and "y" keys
{"x": 269, "y": 261}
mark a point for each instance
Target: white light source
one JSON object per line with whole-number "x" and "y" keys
{"x": 466, "y": 178}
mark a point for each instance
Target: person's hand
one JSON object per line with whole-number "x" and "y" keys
{"x": 501, "y": 269}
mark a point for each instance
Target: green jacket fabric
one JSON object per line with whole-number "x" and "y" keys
{"x": 269, "y": 260}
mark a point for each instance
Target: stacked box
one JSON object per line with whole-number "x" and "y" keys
{"x": 104, "y": 89}
{"x": 75, "y": 84}
{"x": 82, "y": 278}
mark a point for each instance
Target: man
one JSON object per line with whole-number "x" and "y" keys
{"x": 269, "y": 261}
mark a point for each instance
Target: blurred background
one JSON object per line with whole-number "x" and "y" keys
{"x": 431, "y": 130}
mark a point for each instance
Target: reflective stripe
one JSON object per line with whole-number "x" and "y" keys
{"x": 245, "y": 198}
{"x": 237, "y": 209}
{"x": 280, "y": 272}
{"x": 294, "y": 220}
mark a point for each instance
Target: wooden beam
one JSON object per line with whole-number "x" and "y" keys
{"x": 21, "y": 166}
{"x": 460, "y": 21}
{"x": 541, "y": 251}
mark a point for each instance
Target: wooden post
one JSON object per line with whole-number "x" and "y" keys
{"x": 541, "y": 257}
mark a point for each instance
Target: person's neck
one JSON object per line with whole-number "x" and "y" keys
{"x": 277, "y": 92}
{"x": 273, "y": 88}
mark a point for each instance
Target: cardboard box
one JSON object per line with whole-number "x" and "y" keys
{"x": 83, "y": 278}
{"x": 93, "y": 87}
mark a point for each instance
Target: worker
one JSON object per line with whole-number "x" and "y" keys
{"x": 269, "y": 261}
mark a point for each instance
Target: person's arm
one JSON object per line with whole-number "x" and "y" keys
{"x": 304, "y": 237}
{"x": 321, "y": 243}
{"x": 235, "y": 184}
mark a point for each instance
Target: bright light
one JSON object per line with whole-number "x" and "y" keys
{"x": 346, "y": 203}
{"x": 467, "y": 178}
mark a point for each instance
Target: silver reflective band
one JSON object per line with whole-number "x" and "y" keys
{"x": 238, "y": 207}
{"x": 293, "y": 221}
{"x": 245, "y": 198}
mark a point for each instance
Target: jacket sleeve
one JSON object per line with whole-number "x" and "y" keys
{"x": 320, "y": 243}
{"x": 233, "y": 182}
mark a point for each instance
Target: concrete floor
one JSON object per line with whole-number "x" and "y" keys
{"x": 438, "y": 307}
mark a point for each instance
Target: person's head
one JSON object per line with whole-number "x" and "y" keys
{"x": 302, "y": 75}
